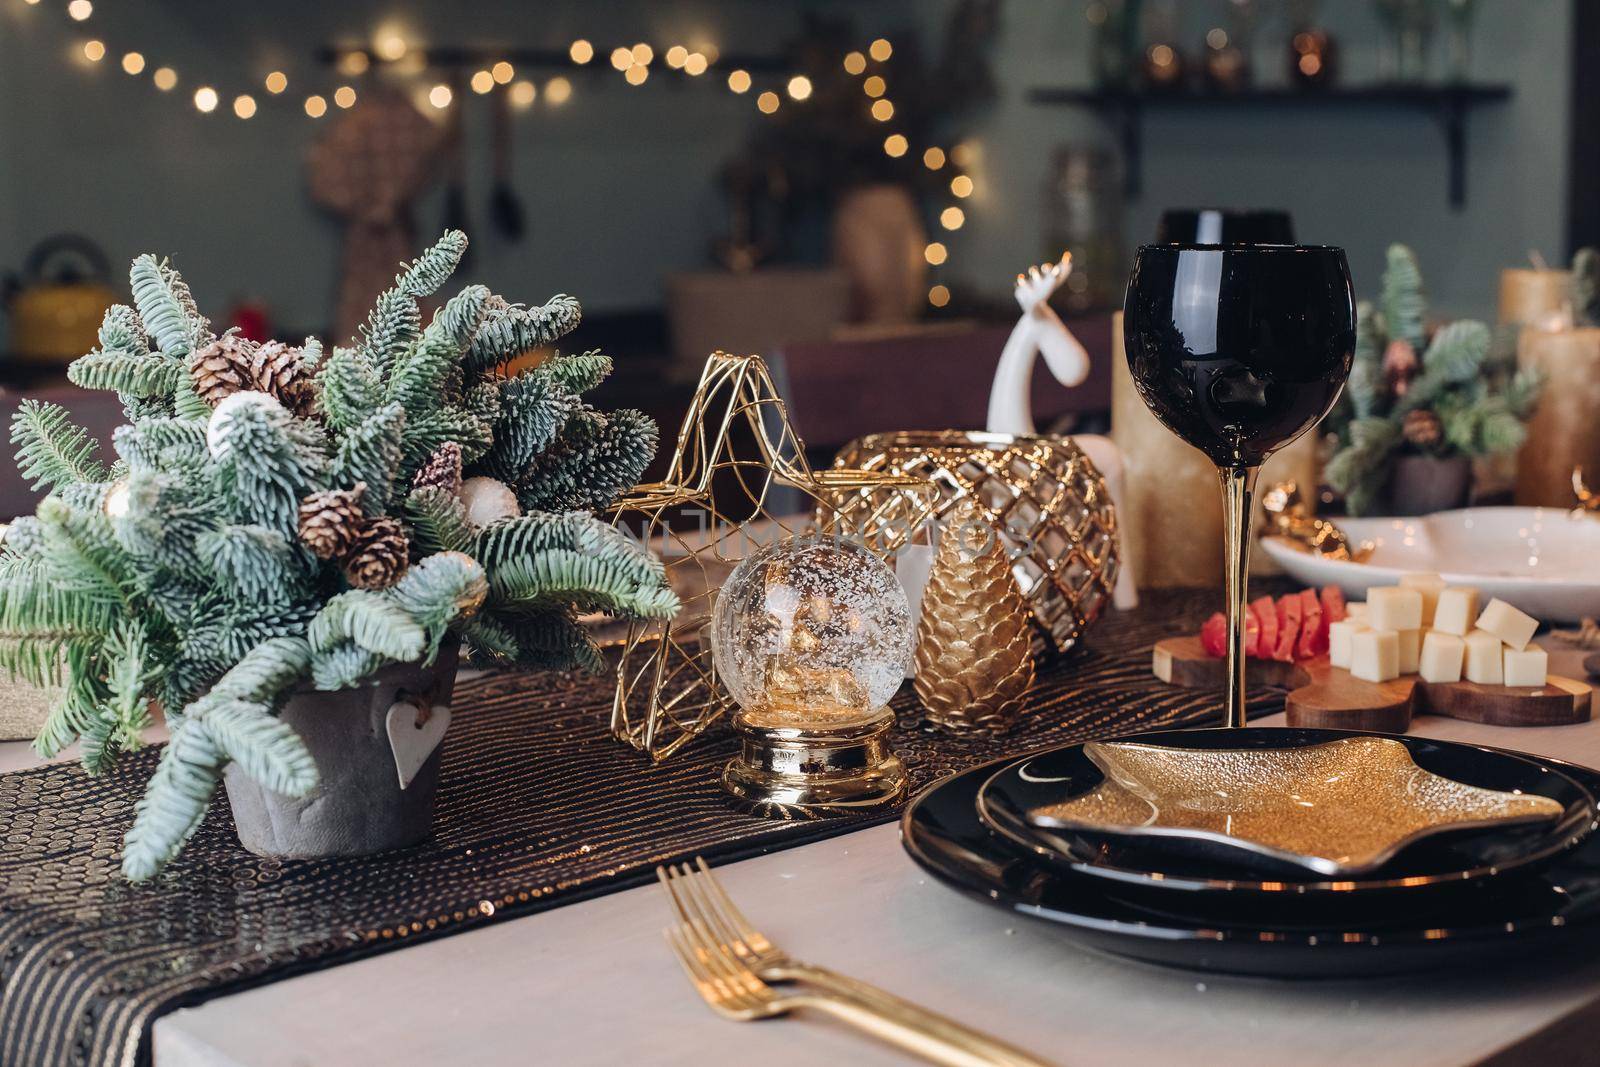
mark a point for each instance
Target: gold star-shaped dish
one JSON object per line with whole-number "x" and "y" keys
{"x": 1339, "y": 809}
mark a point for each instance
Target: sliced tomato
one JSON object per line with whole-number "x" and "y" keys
{"x": 1313, "y": 627}
{"x": 1289, "y": 612}
{"x": 1214, "y": 635}
{"x": 1333, "y": 607}
{"x": 1265, "y": 613}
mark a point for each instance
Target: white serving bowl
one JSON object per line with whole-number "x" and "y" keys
{"x": 1542, "y": 560}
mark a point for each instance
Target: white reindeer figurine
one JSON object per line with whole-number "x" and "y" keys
{"x": 1011, "y": 405}
{"x": 1039, "y": 330}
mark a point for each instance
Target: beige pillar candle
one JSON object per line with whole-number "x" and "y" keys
{"x": 1565, "y": 429}
{"x": 1530, "y": 297}
{"x": 1170, "y": 514}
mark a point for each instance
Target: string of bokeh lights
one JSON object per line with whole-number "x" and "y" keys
{"x": 634, "y": 63}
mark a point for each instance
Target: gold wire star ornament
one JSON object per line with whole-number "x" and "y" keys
{"x": 738, "y": 480}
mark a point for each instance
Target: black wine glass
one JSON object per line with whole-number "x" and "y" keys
{"x": 1239, "y": 349}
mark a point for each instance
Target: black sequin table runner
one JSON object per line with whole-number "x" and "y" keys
{"x": 538, "y": 807}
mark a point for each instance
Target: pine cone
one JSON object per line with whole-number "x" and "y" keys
{"x": 974, "y": 643}
{"x": 223, "y": 368}
{"x": 379, "y": 556}
{"x": 329, "y": 521}
{"x": 1422, "y": 428}
{"x": 442, "y": 471}
{"x": 275, "y": 370}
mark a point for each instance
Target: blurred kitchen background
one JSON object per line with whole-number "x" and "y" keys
{"x": 847, "y": 188}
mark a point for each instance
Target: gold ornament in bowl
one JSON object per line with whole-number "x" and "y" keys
{"x": 1041, "y": 493}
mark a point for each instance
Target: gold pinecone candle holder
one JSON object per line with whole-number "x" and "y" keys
{"x": 974, "y": 642}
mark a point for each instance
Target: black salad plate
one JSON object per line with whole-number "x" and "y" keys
{"x": 1151, "y": 872}
{"x": 1555, "y": 907}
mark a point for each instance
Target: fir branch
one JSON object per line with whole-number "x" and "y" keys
{"x": 187, "y": 404}
{"x": 166, "y": 308}
{"x": 349, "y": 388}
{"x": 311, "y": 355}
{"x": 417, "y": 378}
{"x": 533, "y": 409}
{"x": 372, "y": 621}
{"x": 437, "y": 520}
{"x": 84, "y": 558}
{"x": 557, "y": 578}
{"x": 175, "y": 801}
{"x": 488, "y": 639}
{"x": 97, "y": 746}
{"x": 265, "y": 748}
{"x": 592, "y": 474}
{"x": 370, "y": 452}
{"x": 51, "y": 449}
{"x": 532, "y": 534}
{"x": 511, "y": 329}
{"x": 424, "y": 435}
{"x": 251, "y": 563}
{"x": 429, "y": 271}
{"x": 121, "y": 330}
{"x": 146, "y": 375}
{"x": 436, "y": 591}
{"x": 343, "y": 665}
{"x": 1405, "y": 306}
{"x": 129, "y": 669}
{"x": 168, "y": 515}
{"x": 395, "y": 324}
{"x": 266, "y": 460}
{"x": 554, "y": 640}
{"x": 266, "y": 670}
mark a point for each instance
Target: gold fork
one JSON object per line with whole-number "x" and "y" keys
{"x": 727, "y": 959}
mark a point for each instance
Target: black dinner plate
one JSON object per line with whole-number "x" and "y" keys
{"x": 1149, "y": 870}
{"x": 1555, "y": 908}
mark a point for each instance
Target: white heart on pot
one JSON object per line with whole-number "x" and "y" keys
{"x": 413, "y": 742}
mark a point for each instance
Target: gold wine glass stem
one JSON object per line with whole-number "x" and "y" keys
{"x": 1238, "y": 503}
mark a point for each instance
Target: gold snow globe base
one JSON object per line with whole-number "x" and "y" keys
{"x": 792, "y": 770}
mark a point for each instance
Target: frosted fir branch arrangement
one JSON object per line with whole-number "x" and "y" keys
{"x": 277, "y": 516}
{"x": 1450, "y": 391}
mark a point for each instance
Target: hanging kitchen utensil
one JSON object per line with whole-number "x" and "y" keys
{"x": 505, "y": 209}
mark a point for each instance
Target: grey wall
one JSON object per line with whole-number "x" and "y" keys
{"x": 619, "y": 184}
{"x": 1356, "y": 178}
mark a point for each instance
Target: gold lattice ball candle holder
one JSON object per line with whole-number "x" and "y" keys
{"x": 1041, "y": 493}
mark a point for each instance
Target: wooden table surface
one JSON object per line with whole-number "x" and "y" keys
{"x": 592, "y": 983}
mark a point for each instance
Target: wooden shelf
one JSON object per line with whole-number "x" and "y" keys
{"x": 1125, "y": 108}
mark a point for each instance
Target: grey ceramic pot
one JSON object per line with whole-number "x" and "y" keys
{"x": 359, "y": 807}
{"x": 1421, "y": 485}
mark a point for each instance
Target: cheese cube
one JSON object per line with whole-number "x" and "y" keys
{"x": 1514, "y": 627}
{"x": 1356, "y": 610}
{"x": 1375, "y": 655}
{"x": 1485, "y": 664}
{"x": 1339, "y": 646}
{"x": 1390, "y": 607}
{"x": 1430, "y": 586}
{"x": 1410, "y": 650}
{"x": 1442, "y": 657}
{"x": 1456, "y": 610}
{"x": 1527, "y": 666}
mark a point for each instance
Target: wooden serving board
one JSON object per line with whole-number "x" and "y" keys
{"x": 1326, "y": 697}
